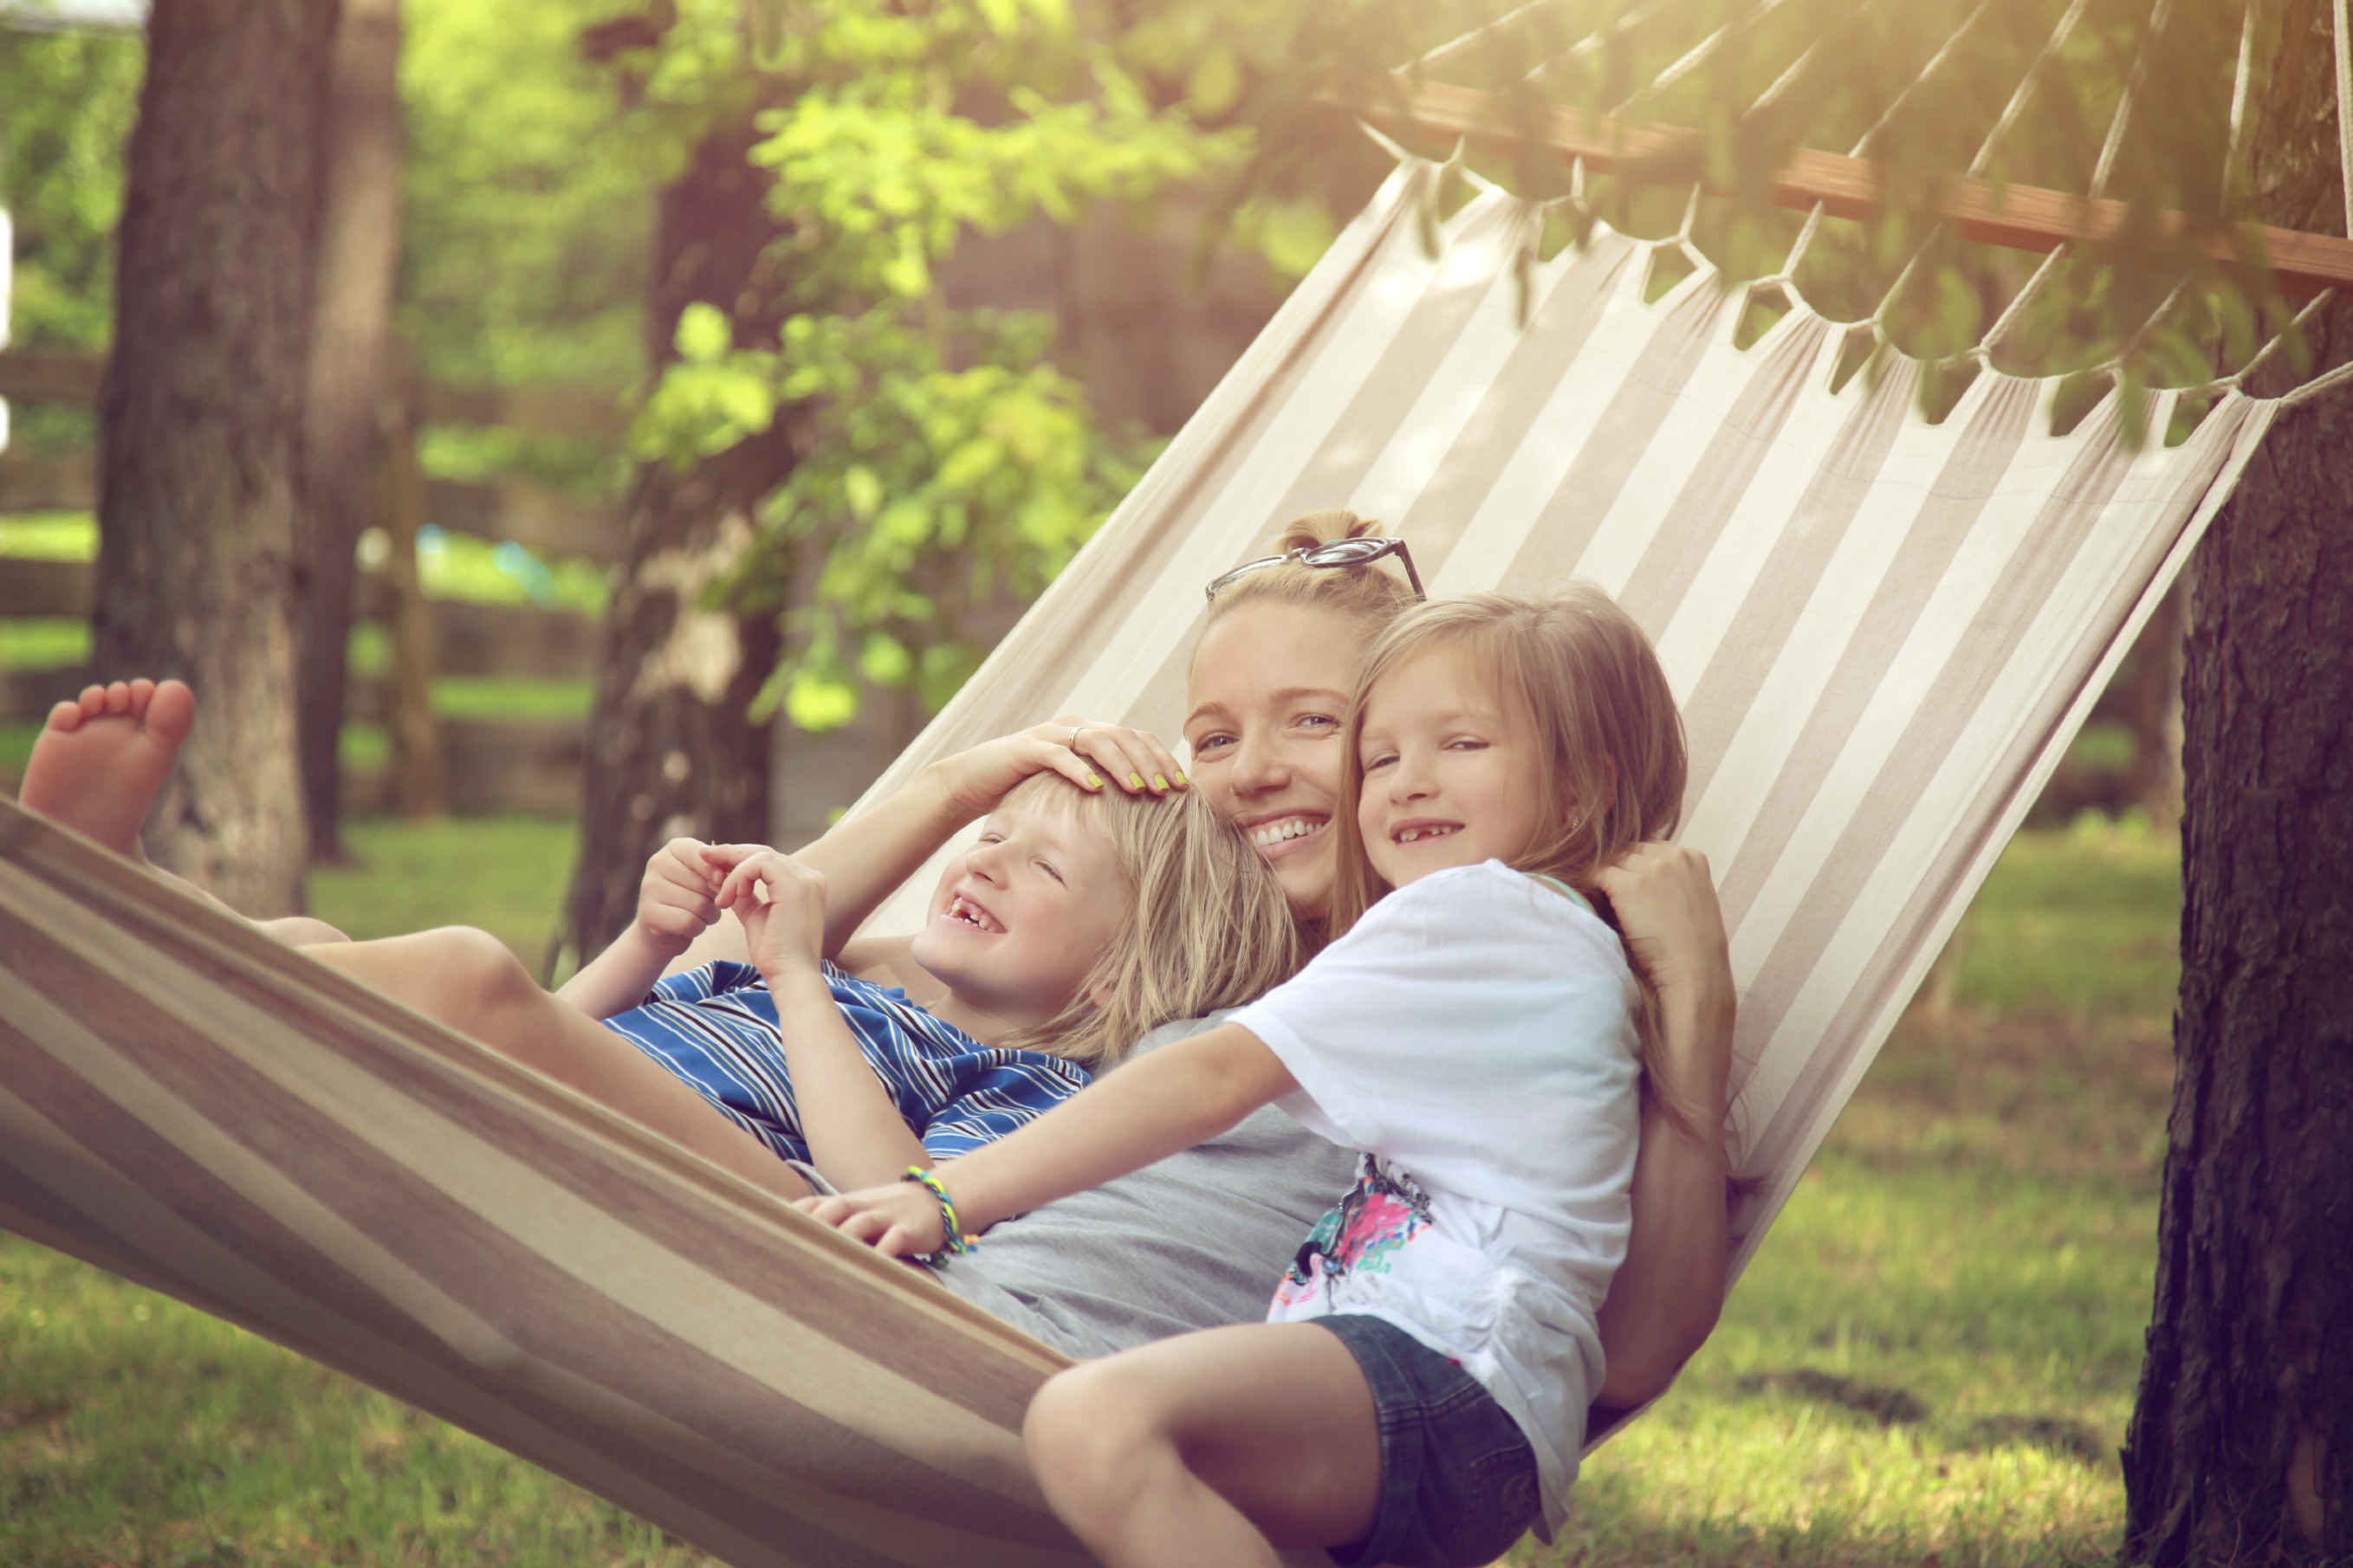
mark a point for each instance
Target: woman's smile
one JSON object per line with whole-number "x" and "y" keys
{"x": 1276, "y": 836}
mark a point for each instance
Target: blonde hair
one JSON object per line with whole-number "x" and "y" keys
{"x": 1207, "y": 925}
{"x": 1607, "y": 727}
{"x": 1369, "y": 595}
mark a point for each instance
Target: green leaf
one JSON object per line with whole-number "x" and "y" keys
{"x": 703, "y": 334}
{"x": 885, "y": 661}
{"x": 863, "y": 490}
{"x": 817, "y": 702}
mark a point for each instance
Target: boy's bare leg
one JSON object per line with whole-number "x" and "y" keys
{"x": 468, "y": 980}
{"x": 100, "y": 763}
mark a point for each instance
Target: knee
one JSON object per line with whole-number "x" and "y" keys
{"x": 471, "y": 972}
{"x": 1089, "y": 1434}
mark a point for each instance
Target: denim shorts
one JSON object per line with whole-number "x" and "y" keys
{"x": 1458, "y": 1478}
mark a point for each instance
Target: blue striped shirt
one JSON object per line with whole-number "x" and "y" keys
{"x": 716, "y": 1029}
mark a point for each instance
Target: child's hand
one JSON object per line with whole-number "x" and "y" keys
{"x": 899, "y": 1220}
{"x": 1086, "y": 751}
{"x": 780, "y": 901}
{"x": 675, "y": 901}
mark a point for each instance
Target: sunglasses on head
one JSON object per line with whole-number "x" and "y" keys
{"x": 1360, "y": 551}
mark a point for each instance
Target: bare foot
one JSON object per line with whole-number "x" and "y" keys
{"x": 101, "y": 760}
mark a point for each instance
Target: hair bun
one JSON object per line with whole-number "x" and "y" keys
{"x": 1322, "y": 528}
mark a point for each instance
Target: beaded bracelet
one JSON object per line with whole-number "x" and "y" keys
{"x": 959, "y": 1243}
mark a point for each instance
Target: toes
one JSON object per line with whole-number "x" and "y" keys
{"x": 66, "y": 716}
{"x": 142, "y": 692}
{"x": 171, "y": 711}
{"x": 92, "y": 702}
{"x": 118, "y": 698}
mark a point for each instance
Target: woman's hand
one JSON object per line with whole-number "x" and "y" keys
{"x": 675, "y": 901}
{"x": 780, "y": 901}
{"x": 899, "y": 1220}
{"x": 1664, "y": 898}
{"x": 1086, "y": 751}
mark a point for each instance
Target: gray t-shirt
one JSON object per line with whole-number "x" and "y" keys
{"x": 1194, "y": 1242}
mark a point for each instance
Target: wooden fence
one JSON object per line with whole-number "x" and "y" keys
{"x": 470, "y": 765}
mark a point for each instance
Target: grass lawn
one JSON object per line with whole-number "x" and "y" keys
{"x": 1930, "y": 1362}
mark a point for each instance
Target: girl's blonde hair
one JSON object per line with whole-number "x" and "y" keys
{"x": 1611, "y": 738}
{"x": 1207, "y": 924}
{"x": 1372, "y": 595}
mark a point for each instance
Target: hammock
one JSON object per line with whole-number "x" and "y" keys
{"x": 1884, "y": 632}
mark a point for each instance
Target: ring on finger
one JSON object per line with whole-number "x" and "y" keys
{"x": 1073, "y": 741}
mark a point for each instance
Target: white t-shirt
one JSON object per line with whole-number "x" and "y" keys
{"x": 1473, "y": 1034}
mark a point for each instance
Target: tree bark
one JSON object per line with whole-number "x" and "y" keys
{"x": 2241, "y": 1447}
{"x": 670, "y": 751}
{"x": 359, "y": 252}
{"x": 201, "y": 421}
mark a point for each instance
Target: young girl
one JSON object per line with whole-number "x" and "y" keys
{"x": 1419, "y": 1391}
{"x": 1083, "y": 917}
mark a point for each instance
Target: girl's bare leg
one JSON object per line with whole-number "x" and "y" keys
{"x": 100, "y": 763}
{"x": 468, "y": 980}
{"x": 1209, "y": 1446}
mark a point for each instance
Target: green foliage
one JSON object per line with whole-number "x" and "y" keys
{"x": 528, "y": 214}
{"x": 946, "y": 464}
{"x": 936, "y": 490}
{"x": 69, "y": 102}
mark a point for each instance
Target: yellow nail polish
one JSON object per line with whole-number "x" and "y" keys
{"x": 1180, "y": 780}
{"x": 1158, "y": 782}
{"x": 1136, "y": 781}
{"x": 1093, "y": 782}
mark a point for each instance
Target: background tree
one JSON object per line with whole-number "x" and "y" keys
{"x": 359, "y": 250}
{"x": 2242, "y": 1442}
{"x": 827, "y": 443}
{"x": 201, "y": 421}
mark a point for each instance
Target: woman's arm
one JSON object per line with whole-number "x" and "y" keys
{"x": 1150, "y": 1108}
{"x": 863, "y": 858}
{"x": 1668, "y": 1291}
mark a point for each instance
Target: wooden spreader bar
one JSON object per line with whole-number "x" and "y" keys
{"x": 2021, "y": 218}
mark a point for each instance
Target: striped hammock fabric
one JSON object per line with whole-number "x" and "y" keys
{"x": 1884, "y": 632}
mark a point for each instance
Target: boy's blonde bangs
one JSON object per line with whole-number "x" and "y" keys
{"x": 1207, "y": 925}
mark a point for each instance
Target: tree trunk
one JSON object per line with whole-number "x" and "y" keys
{"x": 2240, "y": 1448}
{"x": 359, "y": 251}
{"x": 671, "y": 751}
{"x": 201, "y": 421}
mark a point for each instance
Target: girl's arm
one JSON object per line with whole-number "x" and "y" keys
{"x": 855, "y": 1134}
{"x": 1668, "y": 1291}
{"x": 1148, "y": 1109}
{"x": 675, "y": 905}
{"x": 864, "y": 858}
